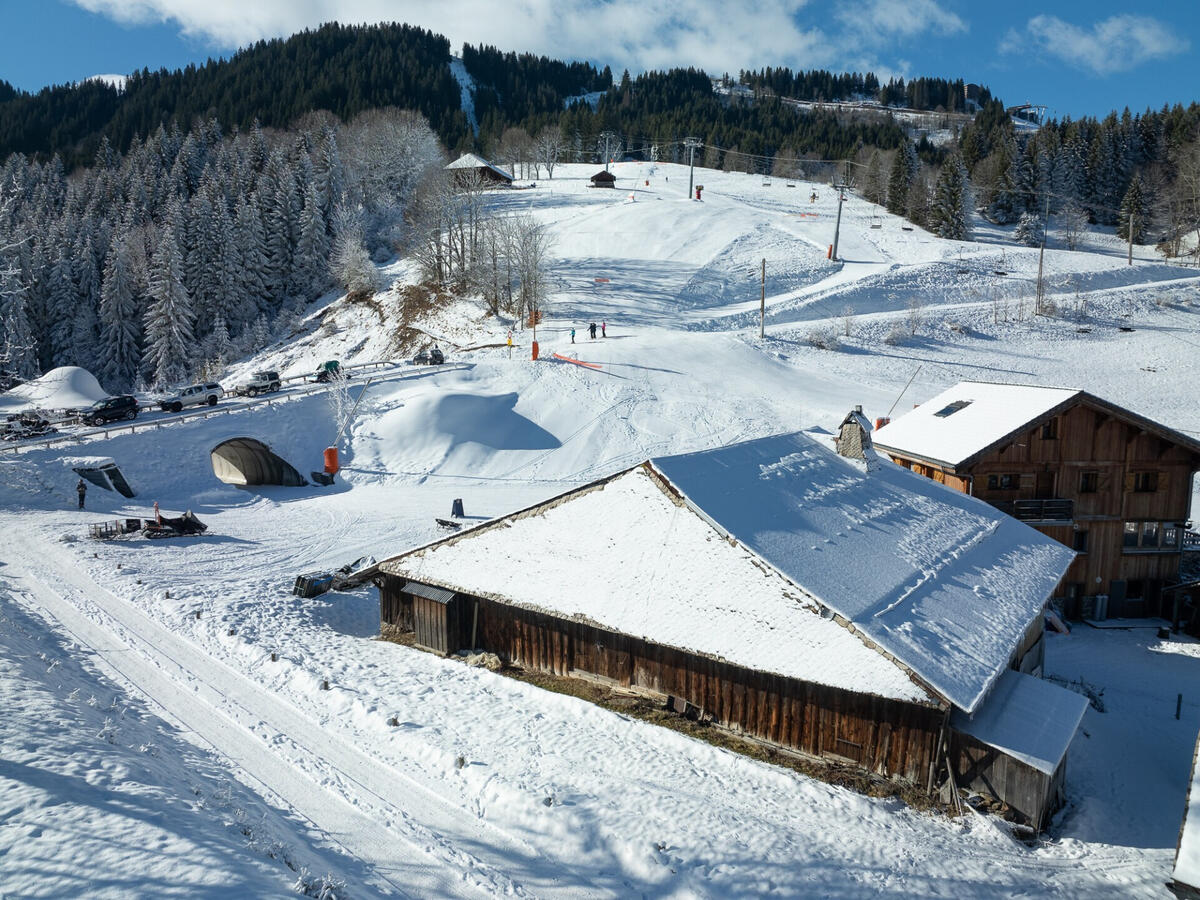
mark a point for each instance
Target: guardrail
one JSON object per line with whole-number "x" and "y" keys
{"x": 108, "y": 431}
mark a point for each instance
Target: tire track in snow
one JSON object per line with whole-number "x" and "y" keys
{"x": 409, "y": 835}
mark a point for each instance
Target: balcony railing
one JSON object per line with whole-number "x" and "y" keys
{"x": 1038, "y": 510}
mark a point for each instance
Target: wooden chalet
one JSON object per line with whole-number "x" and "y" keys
{"x": 843, "y": 609}
{"x": 1110, "y": 484}
{"x": 470, "y": 165}
{"x": 603, "y": 179}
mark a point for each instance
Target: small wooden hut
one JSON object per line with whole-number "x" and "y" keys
{"x": 603, "y": 179}
{"x": 471, "y": 165}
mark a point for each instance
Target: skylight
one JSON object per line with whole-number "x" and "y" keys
{"x": 952, "y": 408}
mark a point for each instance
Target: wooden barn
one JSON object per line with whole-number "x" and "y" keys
{"x": 470, "y": 165}
{"x": 841, "y": 608}
{"x": 1110, "y": 484}
{"x": 603, "y": 179}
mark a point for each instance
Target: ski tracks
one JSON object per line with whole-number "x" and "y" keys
{"x": 417, "y": 842}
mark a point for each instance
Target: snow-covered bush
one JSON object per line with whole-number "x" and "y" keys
{"x": 352, "y": 267}
{"x": 896, "y": 335}
{"x": 1029, "y": 230}
{"x": 824, "y": 339}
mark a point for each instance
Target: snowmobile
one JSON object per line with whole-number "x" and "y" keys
{"x": 166, "y": 526}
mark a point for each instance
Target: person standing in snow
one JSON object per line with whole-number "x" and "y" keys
{"x": 592, "y": 330}
{"x": 81, "y": 490}
{"x": 603, "y": 329}
{"x": 572, "y": 335}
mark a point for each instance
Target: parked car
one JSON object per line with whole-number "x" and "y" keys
{"x": 258, "y": 383}
{"x": 110, "y": 409}
{"x": 433, "y": 357}
{"x": 195, "y": 395}
{"x": 327, "y": 370}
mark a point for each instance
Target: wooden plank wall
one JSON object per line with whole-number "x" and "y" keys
{"x": 978, "y": 767}
{"x": 395, "y": 607}
{"x": 888, "y": 737}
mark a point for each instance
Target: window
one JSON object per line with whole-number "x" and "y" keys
{"x": 1050, "y": 430}
{"x": 1145, "y": 482}
{"x": 1008, "y": 482}
{"x": 1151, "y": 536}
{"x": 1131, "y": 535}
{"x": 1089, "y": 482}
{"x": 1080, "y": 543}
{"x": 952, "y": 408}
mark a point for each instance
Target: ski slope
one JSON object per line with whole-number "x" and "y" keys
{"x": 487, "y": 786}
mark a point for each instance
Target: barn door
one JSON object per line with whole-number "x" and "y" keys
{"x": 1116, "y": 598}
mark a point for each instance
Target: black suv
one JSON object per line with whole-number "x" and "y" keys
{"x": 110, "y": 409}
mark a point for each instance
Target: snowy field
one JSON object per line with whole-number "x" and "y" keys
{"x": 170, "y": 732}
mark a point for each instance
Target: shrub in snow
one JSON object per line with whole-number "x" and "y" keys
{"x": 824, "y": 339}
{"x": 319, "y": 887}
{"x": 896, "y": 335}
{"x": 352, "y": 267}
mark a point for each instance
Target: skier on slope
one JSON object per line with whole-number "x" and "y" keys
{"x": 572, "y": 335}
{"x": 81, "y": 490}
{"x": 604, "y": 329}
{"x": 592, "y": 330}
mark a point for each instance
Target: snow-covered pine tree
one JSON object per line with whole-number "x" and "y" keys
{"x": 251, "y": 285}
{"x": 904, "y": 170}
{"x": 119, "y": 354}
{"x": 1134, "y": 207}
{"x": 948, "y": 211}
{"x": 61, "y": 302}
{"x": 312, "y": 253}
{"x": 169, "y": 318}
{"x": 1029, "y": 230}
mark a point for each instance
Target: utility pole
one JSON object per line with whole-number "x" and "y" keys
{"x": 691, "y": 143}
{"x": 838, "y": 227}
{"x": 1131, "y": 239}
{"x": 1040, "y": 300}
{"x": 762, "y": 303}
{"x": 607, "y": 135}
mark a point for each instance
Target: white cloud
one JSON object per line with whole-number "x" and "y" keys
{"x": 716, "y": 37}
{"x": 1116, "y": 44}
{"x": 882, "y": 21}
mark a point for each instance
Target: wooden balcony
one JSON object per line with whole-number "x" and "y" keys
{"x": 1039, "y": 512}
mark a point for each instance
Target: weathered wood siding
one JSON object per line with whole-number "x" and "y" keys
{"x": 395, "y": 606}
{"x": 978, "y": 767}
{"x": 887, "y": 737}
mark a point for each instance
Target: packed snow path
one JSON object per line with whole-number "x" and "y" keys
{"x": 415, "y": 842}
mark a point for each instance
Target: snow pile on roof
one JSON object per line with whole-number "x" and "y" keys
{"x": 944, "y": 582}
{"x": 59, "y": 388}
{"x": 968, "y": 419}
{"x": 1027, "y": 718}
{"x": 626, "y": 556}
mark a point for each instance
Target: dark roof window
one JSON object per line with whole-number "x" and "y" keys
{"x": 952, "y": 408}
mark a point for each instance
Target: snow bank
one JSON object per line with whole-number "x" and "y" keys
{"x": 59, "y": 388}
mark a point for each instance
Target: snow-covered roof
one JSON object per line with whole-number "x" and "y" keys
{"x": 1187, "y": 855}
{"x": 628, "y": 556}
{"x": 61, "y": 388}
{"x": 942, "y": 581}
{"x": 1027, "y": 718}
{"x": 474, "y": 161}
{"x": 968, "y": 419}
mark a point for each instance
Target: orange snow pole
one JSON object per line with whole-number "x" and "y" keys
{"x": 829, "y": 252}
{"x": 331, "y": 460}
{"x": 535, "y": 349}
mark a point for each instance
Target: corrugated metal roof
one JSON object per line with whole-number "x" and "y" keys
{"x": 429, "y": 592}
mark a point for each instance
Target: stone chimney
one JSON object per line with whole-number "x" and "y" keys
{"x": 854, "y": 437}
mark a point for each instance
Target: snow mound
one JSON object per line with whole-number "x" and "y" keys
{"x": 59, "y": 388}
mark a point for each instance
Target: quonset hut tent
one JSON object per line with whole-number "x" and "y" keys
{"x": 842, "y": 608}
{"x": 245, "y": 461}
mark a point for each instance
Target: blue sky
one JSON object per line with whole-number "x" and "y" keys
{"x": 1076, "y": 58}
